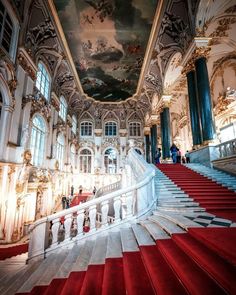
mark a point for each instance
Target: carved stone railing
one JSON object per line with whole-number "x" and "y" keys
{"x": 127, "y": 203}
{"x": 227, "y": 148}
{"x": 108, "y": 189}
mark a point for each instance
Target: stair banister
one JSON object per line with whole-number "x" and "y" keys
{"x": 128, "y": 203}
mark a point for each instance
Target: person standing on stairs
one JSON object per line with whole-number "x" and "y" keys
{"x": 173, "y": 150}
{"x": 187, "y": 157}
{"x": 158, "y": 156}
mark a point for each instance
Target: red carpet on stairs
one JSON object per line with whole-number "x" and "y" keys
{"x": 192, "y": 276}
{"x": 11, "y": 251}
{"x": 210, "y": 195}
{"x": 164, "y": 281}
{"x": 136, "y": 278}
{"x": 113, "y": 278}
{"x": 78, "y": 198}
{"x": 221, "y": 240}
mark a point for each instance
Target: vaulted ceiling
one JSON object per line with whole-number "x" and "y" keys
{"x": 107, "y": 41}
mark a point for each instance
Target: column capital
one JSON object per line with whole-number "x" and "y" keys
{"x": 146, "y": 130}
{"x": 166, "y": 98}
{"x": 154, "y": 119}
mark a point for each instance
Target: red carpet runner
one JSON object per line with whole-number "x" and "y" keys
{"x": 13, "y": 251}
{"x": 210, "y": 195}
{"x": 201, "y": 261}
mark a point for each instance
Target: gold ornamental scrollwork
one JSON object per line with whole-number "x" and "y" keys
{"x": 200, "y": 52}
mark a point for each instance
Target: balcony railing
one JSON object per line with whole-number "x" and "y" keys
{"x": 127, "y": 203}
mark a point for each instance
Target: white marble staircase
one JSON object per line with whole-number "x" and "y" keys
{"x": 174, "y": 213}
{"x": 220, "y": 177}
{"x": 77, "y": 257}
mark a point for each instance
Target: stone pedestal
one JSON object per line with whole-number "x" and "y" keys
{"x": 204, "y": 155}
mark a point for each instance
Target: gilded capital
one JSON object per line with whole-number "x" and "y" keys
{"x": 201, "y": 52}
{"x": 188, "y": 67}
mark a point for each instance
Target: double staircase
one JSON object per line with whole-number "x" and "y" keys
{"x": 178, "y": 248}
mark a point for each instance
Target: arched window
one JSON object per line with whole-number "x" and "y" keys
{"x": 110, "y": 161}
{"x": 86, "y": 129}
{"x": 110, "y": 129}
{"x": 72, "y": 154}
{"x": 134, "y": 129}
{"x": 74, "y": 124}
{"x": 63, "y": 108}
{"x": 37, "y": 140}
{"x": 85, "y": 161}
{"x": 60, "y": 150}
{"x": 6, "y": 29}
{"x": 43, "y": 81}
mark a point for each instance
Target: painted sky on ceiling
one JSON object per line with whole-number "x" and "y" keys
{"x": 107, "y": 40}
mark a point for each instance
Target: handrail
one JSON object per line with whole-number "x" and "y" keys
{"x": 227, "y": 148}
{"x": 108, "y": 188}
{"x": 126, "y": 203}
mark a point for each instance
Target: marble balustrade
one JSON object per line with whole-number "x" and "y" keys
{"x": 128, "y": 202}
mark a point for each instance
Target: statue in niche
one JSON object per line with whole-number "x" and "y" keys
{"x": 24, "y": 136}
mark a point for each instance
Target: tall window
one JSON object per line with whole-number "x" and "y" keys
{"x": 74, "y": 124}
{"x": 37, "y": 140}
{"x": 72, "y": 154}
{"x": 110, "y": 161}
{"x": 6, "y": 29}
{"x": 110, "y": 129}
{"x": 63, "y": 108}
{"x": 134, "y": 129}
{"x": 43, "y": 81}
{"x": 85, "y": 161}
{"x": 60, "y": 150}
{"x": 86, "y": 129}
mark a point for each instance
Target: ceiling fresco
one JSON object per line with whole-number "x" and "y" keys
{"x": 107, "y": 40}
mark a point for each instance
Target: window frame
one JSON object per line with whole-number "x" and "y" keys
{"x": 135, "y": 129}
{"x": 108, "y": 161}
{"x": 15, "y": 30}
{"x": 43, "y": 79}
{"x": 86, "y": 159}
{"x": 110, "y": 125}
{"x": 89, "y": 128}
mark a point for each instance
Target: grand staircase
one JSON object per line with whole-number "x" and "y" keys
{"x": 180, "y": 248}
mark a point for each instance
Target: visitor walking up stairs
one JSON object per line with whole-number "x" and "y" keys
{"x": 168, "y": 253}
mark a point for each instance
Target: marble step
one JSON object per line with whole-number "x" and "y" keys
{"x": 114, "y": 248}
{"x": 142, "y": 235}
{"x": 68, "y": 263}
{"x": 9, "y": 275}
{"x": 182, "y": 210}
{"x": 82, "y": 261}
{"x": 128, "y": 240}
{"x": 166, "y": 225}
{"x": 51, "y": 270}
{"x": 178, "y": 219}
{"x": 99, "y": 250}
{"x": 13, "y": 285}
{"x": 35, "y": 277}
{"x": 154, "y": 230}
